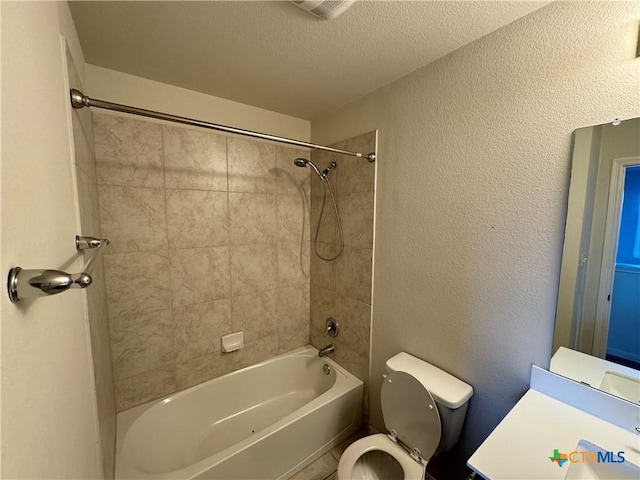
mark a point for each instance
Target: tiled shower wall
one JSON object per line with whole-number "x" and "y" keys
{"x": 209, "y": 235}
{"x": 342, "y": 288}
{"x": 85, "y": 172}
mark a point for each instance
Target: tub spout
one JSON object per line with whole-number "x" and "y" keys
{"x": 326, "y": 350}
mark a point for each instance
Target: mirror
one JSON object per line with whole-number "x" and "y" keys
{"x": 598, "y": 311}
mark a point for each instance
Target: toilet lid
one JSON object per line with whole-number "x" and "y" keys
{"x": 409, "y": 409}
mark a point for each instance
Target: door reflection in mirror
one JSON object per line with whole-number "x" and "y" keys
{"x": 602, "y": 157}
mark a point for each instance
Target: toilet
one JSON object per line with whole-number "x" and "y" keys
{"x": 423, "y": 409}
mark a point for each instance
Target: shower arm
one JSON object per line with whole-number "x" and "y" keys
{"x": 80, "y": 100}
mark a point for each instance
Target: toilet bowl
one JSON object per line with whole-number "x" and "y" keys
{"x": 423, "y": 409}
{"x": 377, "y": 457}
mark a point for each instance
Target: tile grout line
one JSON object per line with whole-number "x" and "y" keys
{"x": 279, "y": 281}
{"x": 230, "y": 284}
{"x": 166, "y": 220}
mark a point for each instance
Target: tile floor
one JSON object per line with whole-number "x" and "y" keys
{"x": 325, "y": 467}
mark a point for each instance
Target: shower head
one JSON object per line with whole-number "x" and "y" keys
{"x": 303, "y": 162}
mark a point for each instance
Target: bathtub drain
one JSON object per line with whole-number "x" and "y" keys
{"x": 326, "y": 369}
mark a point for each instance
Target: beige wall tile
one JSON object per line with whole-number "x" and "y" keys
{"x": 356, "y": 213}
{"x": 322, "y": 306}
{"x": 198, "y": 328}
{"x": 128, "y": 151}
{"x": 254, "y": 352}
{"x": 293, "y": 219}
{"x": 254, "y": 268}
{"x": 323, "y": 273}
{"x": 256, "y": 314}
{"x": 142, "y": 342}
{"x": 317, "y": 338}
{"x": 357, "y": 175}
{"x": 342, "y": 288}
{"x": 136, "y": 282}
{"x": 197, "y": 218}
{"x": 199, "y": 275}
{"x": 88, "y": 205}
{"x": 354, "y": 319}
{"x": 83, "y": 148}
{"x": 252, "y": 218}
{"x": 293, "y": 315}
{"x": 252, "y": 166}
{"x": 290, "y": 178}
{"x": 293, "y": 264}
{"x": 363, "y": 143}
{"x": 354, "y": 363}
{"x": 223, "y": 260}
{"x": 142, "y": 388}
{"x": 293, "y": 241}
{"x": 133, "y": 219}
{"x": 353, "y": 274}
{"x": 197, "y": 370}
{"x": 328, "y": 232}
{"x": 194, "y": 159}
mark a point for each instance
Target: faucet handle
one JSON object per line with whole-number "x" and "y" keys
{"x": 331, "y": 328}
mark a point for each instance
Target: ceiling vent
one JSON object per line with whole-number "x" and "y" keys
{"x": 326, "y": 9}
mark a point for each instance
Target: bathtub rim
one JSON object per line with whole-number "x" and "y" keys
{"x": 344, "y": 383}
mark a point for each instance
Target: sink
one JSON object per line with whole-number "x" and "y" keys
{"x": 621, "y": 386}
{"x": 590, "y": 470}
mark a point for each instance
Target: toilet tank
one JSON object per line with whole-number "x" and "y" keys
{"x": 450, "y": 394}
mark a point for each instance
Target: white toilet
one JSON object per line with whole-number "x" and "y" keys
{"x": 423, "y": 409}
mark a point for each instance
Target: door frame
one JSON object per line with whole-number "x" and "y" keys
{"x": 609, "y": 252}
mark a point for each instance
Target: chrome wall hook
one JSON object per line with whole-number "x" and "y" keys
{"x": 23, "y": 284}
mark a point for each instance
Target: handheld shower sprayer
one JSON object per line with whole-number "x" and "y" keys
{"x": 303, "y": 162}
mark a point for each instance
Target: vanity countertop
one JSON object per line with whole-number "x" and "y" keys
{"x": 520, "y": 446}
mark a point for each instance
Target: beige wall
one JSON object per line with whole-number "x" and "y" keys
{"x": 49, "y": 417}
{"x": 209, "y": 235}
{"x": 575, "y": 249}
{"x": 342, "y": 288}
{"x": 118, "y": 87}
{"x": 473, "y": 176}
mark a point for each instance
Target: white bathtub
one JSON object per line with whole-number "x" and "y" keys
{"x": 262, "y": 422}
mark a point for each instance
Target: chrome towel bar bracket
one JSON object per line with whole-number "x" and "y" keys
{"x": 23, "y": 284}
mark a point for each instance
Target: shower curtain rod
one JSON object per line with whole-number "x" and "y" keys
{"x": 80, "y": 100}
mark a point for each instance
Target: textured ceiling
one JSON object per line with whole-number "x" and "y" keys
{"x": 276, "y": 56}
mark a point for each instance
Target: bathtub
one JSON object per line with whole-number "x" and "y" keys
{"x": 265, "y": 421}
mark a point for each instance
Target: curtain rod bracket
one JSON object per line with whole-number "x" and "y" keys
{"x": 78, "y": 99}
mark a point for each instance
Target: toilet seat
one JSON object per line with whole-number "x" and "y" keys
{"x": 384, "y": 445}
{"x": 410, "y": 414}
